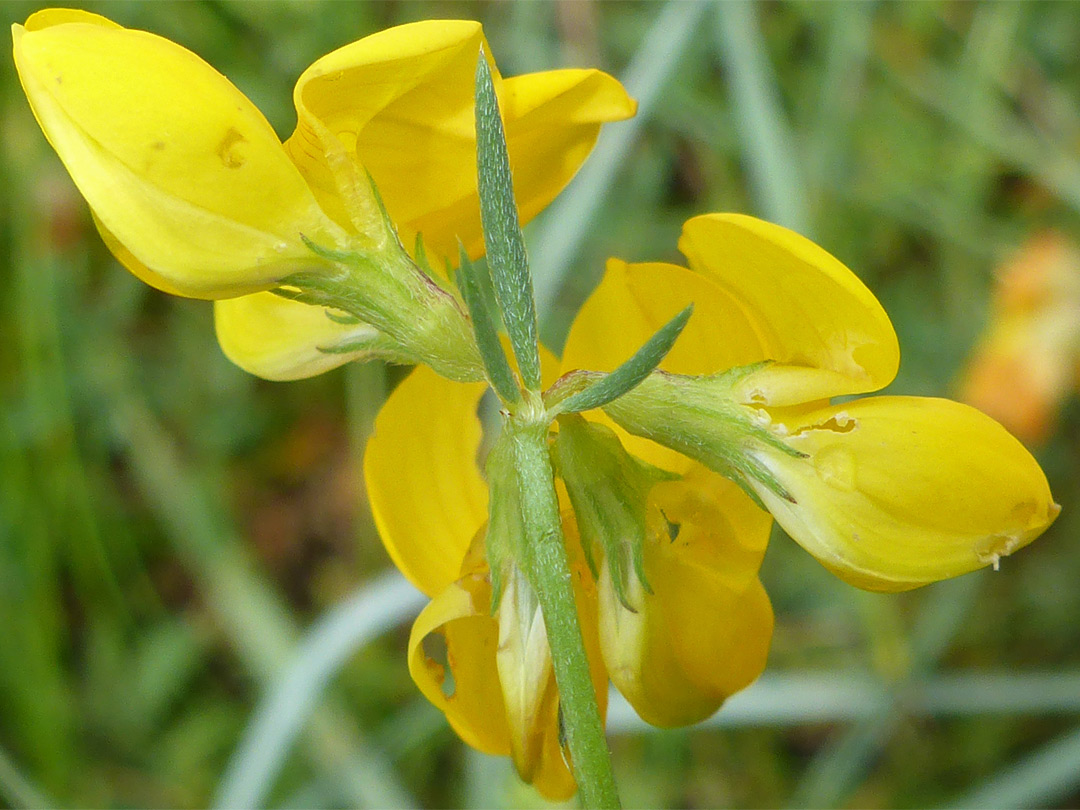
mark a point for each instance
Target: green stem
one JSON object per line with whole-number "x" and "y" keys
{"x": 548, "y": 570}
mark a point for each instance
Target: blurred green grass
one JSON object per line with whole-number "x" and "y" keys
{"x": 169, "y": 525}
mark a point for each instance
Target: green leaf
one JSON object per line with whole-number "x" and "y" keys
{"x": 632, "y": 372}
{"x": 504, "y": 537}
{"x": 505, "y": 243}
{"x": 487, "y": 338}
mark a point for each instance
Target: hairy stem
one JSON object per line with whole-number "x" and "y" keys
{"x": 548, "y": 569}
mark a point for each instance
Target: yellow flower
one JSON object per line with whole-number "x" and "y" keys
{"x": 887, "y": 492}
{"x": 195, "y": 194}
{"x": 401, "y": 103}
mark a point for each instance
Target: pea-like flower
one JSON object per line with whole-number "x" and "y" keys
{"x": 193, "y": 191}
{"x": 669, "y": 489}
{"x": 888, "y": 492}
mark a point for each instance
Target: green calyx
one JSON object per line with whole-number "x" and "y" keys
{"x": 376, "y": 282}
{"x": 609, "y": 491}
{"x": 701, "y": 417}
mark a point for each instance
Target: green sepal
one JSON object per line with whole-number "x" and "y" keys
{"x": 343, "y": 318}
{"x": 365, "y": 338}
{"x": 631, "y": 373}
{"x": 423, "y": 261}
{"x": 373, "y": 344}
{"x": 499, "y": 373}
{"x": 702, "y": 418}
{"x": 609, "y": 490}
{"x": 505, "y": 243}
{"x": 498, "y": 565}
{"x": 381, "y": 285}
{"x": 388, "y": 224}
{"x": 331, "y": 255}
{"x": 420, "y": 255}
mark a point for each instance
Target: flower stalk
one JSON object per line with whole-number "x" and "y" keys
{"x": 546, "y": 565}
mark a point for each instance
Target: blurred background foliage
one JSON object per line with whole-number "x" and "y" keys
{"x": 170, "y": 526}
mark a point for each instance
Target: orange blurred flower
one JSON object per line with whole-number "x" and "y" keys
{"x": 1025, "y": 362}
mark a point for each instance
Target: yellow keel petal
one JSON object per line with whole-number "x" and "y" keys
{"x": 176, "y": 163}
{"x": 896, "y": 492}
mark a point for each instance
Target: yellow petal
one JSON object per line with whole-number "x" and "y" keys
{"x": 49, "y": 17}
{"x": 549, "y": 363}
{"x": 529, "y": 691}
{"x": 530, "y": 696}
{"x": 896, "y": 492}
{"x": 425, "y": 488}
{"x": 717, "y": 525}
{"x": 175, "y": 162}
{"x": 824, "y": 328}
{"x": 472, "y": 698}
{"x": 411, "y": 84}
{"x": 278, "y": 339}
{"x": 414, "y": 85}
{"x": 502, "y": 696}
{"x": 631, "y": 302}
{"x": 703, "y": 633}
{"x": 128, "y": 260}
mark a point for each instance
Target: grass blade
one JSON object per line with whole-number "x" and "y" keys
{"x": 771, "y": 160}
{"x": 1043, "y": 779}
{"x": 18, "y": 791}
{"x": 295, "y": 692}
